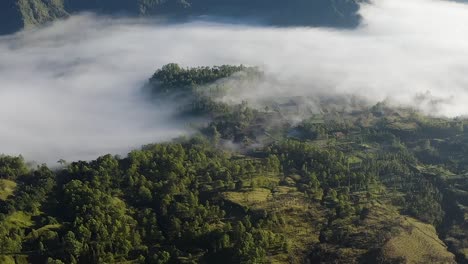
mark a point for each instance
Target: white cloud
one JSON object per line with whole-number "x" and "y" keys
{"x": 71, "y": 90}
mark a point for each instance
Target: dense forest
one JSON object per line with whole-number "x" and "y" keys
{"x": 18, "y": 14}
{"x": 377, "y": 184}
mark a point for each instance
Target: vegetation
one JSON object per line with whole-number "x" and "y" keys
{"x": 17, "y": 14}
{"x": 7, "y": 188}
{"x": 377, "y": 185}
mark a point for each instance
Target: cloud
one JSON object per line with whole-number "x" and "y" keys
{"x": 72, "y": 89}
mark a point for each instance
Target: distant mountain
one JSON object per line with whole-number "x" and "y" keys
{"x": 18, "y": 14}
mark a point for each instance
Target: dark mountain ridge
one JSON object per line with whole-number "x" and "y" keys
{"x": 18, "y": 14}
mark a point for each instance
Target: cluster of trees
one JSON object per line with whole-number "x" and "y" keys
{"x": 157, "y": 205}
{"x": 172, "y": 77}
{"x": 160, "y": 204}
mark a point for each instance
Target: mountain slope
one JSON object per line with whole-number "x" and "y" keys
{"x": 18, "y": 14}
{"x": 34, "y": 12}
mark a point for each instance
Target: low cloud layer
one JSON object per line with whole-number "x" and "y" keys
{"x": 72, "y": 89}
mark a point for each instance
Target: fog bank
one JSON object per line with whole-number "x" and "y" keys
{"x": 72, "y": 89}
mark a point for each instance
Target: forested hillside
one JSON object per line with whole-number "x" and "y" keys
{"x": 17, "y": 14}
{"x": 372, "y": 185}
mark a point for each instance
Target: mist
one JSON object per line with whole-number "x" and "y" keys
{"x": 72, "y": 90}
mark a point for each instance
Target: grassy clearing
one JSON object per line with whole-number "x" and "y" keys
{"x": 268, "y": 182}
{"x": 417, "y": 243}
{"x": 403, "y": 238}
{"x": 19, "y": 219}
{"x": 251, "y": 198}
{"x": 464, "y": 251}
{"x": 43, "y": 230}
{"x": 281, "y": 190}
{"x": 354, "y": 160}
{"x": 7, "y": 188}
{"x": 404, "y": 126}
{"x": 7, "y": 260}
{"x": 300, "y": 218}
{"x": 301, "y": 228}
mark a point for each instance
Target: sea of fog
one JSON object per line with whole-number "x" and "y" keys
{"x": 72, "y": 90}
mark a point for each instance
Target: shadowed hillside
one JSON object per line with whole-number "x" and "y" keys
{"x": 17, "y": 14}
{"x": 10, "y": 17}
